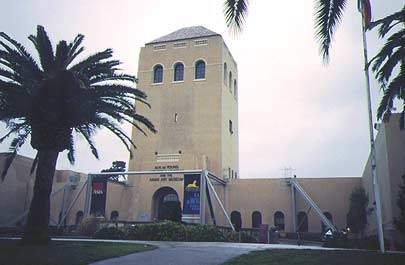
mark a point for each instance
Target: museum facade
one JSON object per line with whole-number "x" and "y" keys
{"x": 189, "y": 169}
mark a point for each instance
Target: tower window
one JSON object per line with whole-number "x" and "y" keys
{"x": 179, "y": 72}
{"x": 158, "y": 74}
{"x": 230, "y": 127}
{"x": 235, "y": 89}
{"x": 200, "y": 70}
{"x": 230, "y": 82}
{"x": 176, "y": 117}
{"x": 225, "y": 72}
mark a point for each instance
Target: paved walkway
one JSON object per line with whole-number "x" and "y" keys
{"x": 186, "y": 253}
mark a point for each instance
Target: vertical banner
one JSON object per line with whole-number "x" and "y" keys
{"x": 98, "y": 196}
{"x": 191, "y": 201}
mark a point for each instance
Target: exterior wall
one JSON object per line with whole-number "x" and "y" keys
{"x": 229, "y": 110}
{"x": 61, "y": 180}
{"x": 119, "y": 199}
{"x": 136, "y": 203}
{"x": 201, "y": 137}
{"x": 15, "y": 190}
{"x": 390, "y": 146}
{"x": 271, "y": 195}
{"x": 144, "y": 189}
{"x": 193, "y": 100}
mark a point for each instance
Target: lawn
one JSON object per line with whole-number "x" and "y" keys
{"x": 317, "y": 257}
{"x": 64, "y": 252}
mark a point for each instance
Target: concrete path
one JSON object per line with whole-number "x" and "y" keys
{"x": 186, "y": 253}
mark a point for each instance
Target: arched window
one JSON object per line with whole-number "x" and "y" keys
{"x": 230, "y": 82}
{"x": 114, "y": 216}
{"x": 178, "y": 72}
{"x": 200, "y": 70}
{"x": 302, "y": 225}
{"x": 158, "y": 74}
{"x": 236, "y": 220}
{"x": 235, "y": 89}
{"x": 279, "y": 220}
{"x": 330, "y": 218}
{"x": 256, "y": 219}
{"x": 79, "y": 218}
{"x": 225, "y": 72}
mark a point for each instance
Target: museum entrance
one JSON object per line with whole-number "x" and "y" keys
{"x": 166, "y": 205}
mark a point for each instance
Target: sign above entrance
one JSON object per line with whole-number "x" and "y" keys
{"x": 166, "y": 177}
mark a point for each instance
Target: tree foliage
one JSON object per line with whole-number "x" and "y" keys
{"x": 357, "y": 216}
{"x": 52, "y": 98}
{"x": 328, "y": 15}
{"x": 117, "y": 166}
{"x": 389, "y": 64}
{"x": 400, "y": 221}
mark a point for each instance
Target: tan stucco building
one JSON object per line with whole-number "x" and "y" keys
{"x": 191, "y": 80}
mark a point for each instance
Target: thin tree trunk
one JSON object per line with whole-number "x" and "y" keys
{"x": 36, "y": 230}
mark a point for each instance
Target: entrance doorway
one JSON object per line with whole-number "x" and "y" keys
{"x": 166, "y": 205}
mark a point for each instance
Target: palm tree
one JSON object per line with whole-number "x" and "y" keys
{"x": 51, "y": 99}
{"x": 391, "y": 60}
{"x": 328, "y": 14}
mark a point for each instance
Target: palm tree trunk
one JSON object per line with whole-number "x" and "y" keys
{"x": 36, "y": 230}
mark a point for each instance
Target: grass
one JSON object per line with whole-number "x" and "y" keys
{"x": 317, "y": 257}
{"x": 64, "y": 252}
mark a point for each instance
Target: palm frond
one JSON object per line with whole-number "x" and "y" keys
{"x": 328, "y": 14}
{"x": 394, "y": 89}
{"x": 61, "y": 54}
{"x": 63, "y": 97}
{"x": 235, "y": 12}
{"x": 87, "y": 132}
{"x": 43, "y": 45}
{"x": 112, "y": 127}
{"x": 389, "y": 22}
{"x": 111, "y": 77}
{"x": 95, "y": 58}
{"x": 74, "y": 45}
{"x": 22, "y": 50}
{"x": 71, "y": 151}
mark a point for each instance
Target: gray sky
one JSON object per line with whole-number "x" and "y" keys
{"x": 293, "y": 111}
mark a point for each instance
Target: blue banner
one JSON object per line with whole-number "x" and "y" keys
{"x": 191, "y": 202}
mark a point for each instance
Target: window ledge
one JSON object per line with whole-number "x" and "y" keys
{"x": 199, "y": 80}
{"x": 178, "y": 82}
{"x": 156, "y": 84}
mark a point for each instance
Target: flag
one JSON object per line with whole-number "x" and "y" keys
{"x": 364, "y": 7}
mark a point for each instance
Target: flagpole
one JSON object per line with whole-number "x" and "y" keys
{"x": 372, "y": 143}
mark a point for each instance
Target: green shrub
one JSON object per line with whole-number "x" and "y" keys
{"x": 89, "y": 226}
{"x": 109, "y": 233}
{"x": 164, "y": 231}
{"x": 204, "y": 233}
{"x": 172, "y": 231}
{"x": 370, "y": 243}
{"x": 231, "y": 236}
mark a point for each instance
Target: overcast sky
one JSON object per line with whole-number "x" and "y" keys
{"x": 293, "y": 111}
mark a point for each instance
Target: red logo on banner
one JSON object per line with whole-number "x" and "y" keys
{"x": 98, "y": 188}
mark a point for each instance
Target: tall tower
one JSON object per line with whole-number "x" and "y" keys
{"x": 191, "y": 81}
